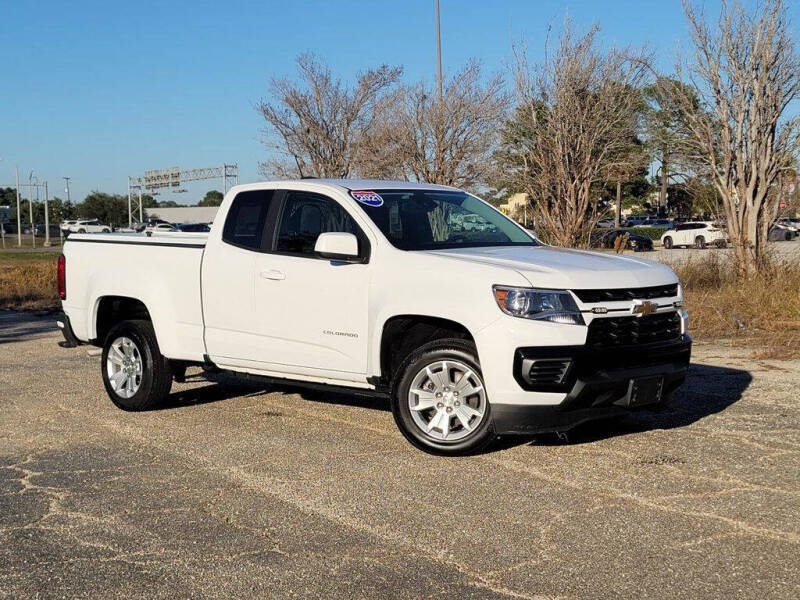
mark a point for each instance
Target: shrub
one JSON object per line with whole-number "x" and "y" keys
{"x": 29, "y": 284}
{"x": 762, "y": 311}
{"x": 653, "y": 233}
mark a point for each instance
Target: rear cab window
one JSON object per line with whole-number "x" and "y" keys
{"x": 246, "y": 223}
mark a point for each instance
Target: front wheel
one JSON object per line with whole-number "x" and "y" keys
{"x": 439, "y": 400}
{"x": 699, "y": 242}
{"x": 667, "y": 242}
{"x": 135, "y": 374}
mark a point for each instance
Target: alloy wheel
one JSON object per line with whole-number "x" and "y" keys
{"x": 124, "y": 367}
{"x": 447, "y": 400}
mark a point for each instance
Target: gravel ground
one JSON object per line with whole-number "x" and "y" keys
{"x": 241, "y": 491}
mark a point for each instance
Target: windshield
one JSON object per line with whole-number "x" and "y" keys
{"x": 434, "y": 220}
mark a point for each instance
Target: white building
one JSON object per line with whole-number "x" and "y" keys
{"x": 184, "y": 214}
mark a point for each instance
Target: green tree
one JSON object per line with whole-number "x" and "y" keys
{"x": 108, "y": 208}
{"x": 212, "y": 198}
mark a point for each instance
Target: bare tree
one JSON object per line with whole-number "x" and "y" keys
{"x": 572, "y": 131}
{"x": 744, "y": 71}
{"x": 318, "y": 120}
{"x": 446, "y": 142}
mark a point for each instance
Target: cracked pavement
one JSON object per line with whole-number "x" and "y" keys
{"x": 239, "y": 490}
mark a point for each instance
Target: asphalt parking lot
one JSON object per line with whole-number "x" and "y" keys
{"x": 241, "y": 491}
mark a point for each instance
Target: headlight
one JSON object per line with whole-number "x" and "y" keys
{"x": 543, "y": 305}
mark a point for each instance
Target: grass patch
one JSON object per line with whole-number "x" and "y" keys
{"x": 28, "y": 280}
{"x": 762, "y": 312}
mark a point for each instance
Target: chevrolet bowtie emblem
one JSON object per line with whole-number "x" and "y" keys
{"x": 641, "y": 308}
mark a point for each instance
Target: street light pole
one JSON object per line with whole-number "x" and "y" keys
{"x": 67, "y": 188}
{"x": 19, "y": 220}
{"x": 30, "y": 205}
{"x": 439, "y": 50}
{"x": 46, "y": 218}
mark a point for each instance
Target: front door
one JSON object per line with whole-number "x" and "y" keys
{"x": 312, "y": 312}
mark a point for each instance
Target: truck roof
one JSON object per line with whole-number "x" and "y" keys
{"x": 352, "y": 184}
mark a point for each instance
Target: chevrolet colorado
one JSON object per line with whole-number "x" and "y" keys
{"x": 423, "y": 293}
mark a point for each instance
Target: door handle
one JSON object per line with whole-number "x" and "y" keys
{"x": 273, "y": 274}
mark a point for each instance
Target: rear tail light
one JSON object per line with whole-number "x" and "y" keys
{"x": 62, "y": 277}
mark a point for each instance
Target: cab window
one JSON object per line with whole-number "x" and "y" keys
{"x": 305, "y": 216}
{"x": 244, "y": 226}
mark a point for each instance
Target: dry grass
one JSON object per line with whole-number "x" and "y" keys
{"x": 28, "y": 281}
{"x": 763, "y": 312}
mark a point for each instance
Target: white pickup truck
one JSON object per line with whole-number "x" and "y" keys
{"x": 471, "y": 331}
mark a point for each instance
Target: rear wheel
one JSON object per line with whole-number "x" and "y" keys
{"x": 81, "y": 230}
{"x": 135, "y": 374}
{"x": 439, "y": 401}
{"x": 700, "y": 242}
{"x": 668, "y": 242}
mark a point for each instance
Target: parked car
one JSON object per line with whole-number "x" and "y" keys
{"x": 371, "y": 285}
{"x": 779, "y": 233}
{"x": 65, "y": 225}
{"x": 605, "y": 223}
{"x": 665, "y": 223}
{"x": 695, "y": 233}
{"x": 793, "y": 225}
{"x": 607, "y": 239}
{"x": 88, "y": 226}
{"x": 635, "y": 221}
{"x": 152, "y": 228}
{"x": 193, "y": 227}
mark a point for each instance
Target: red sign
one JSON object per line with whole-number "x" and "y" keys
{"x": 782, "y": 205}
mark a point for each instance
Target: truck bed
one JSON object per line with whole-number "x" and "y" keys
{"x": 162, "y": 271}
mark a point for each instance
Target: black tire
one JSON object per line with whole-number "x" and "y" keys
{"x": 106, "y": 230}
{"x": 444, "y": 349}
{"x": 81, "y": 231}
{"x": 668, "y": 242}
{"x": 156, "y": 379}
{"x": 720, "y": 243}
{"x": 699, "y": 242}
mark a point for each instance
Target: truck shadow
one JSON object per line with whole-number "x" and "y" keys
{"x": 225, "y": 386}
{"x": 708, "y": 390}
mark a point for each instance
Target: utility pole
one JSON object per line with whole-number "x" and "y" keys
{"x": 67, "y": 188}
{"x": 439, "y": 50}
{"x": 46, "y": 218}
{"x": 19, "y": 220}
{"x": 618, "y": 215}
{"x": 30, "y": 205}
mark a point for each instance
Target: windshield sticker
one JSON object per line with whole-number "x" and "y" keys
{"x": 368, "y": 198}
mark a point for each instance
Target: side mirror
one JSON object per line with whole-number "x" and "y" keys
{"x": 337, "y": 246}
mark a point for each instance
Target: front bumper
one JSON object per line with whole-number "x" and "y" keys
{"x": 597, "y": 383}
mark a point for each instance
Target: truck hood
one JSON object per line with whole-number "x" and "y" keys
{"x": 559, "y": 268}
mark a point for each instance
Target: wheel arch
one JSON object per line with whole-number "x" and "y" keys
{"x": 111, "y": 309}
{"x": 400, "y": 334}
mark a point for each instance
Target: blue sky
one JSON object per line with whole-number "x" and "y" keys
{"x": 102, "y": 90}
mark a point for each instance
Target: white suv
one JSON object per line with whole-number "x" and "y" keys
{"x": 697, "y": 233}
{"x": 88, "y": 226}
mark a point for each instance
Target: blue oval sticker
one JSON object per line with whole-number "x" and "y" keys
{"x": 368, "y": 198}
